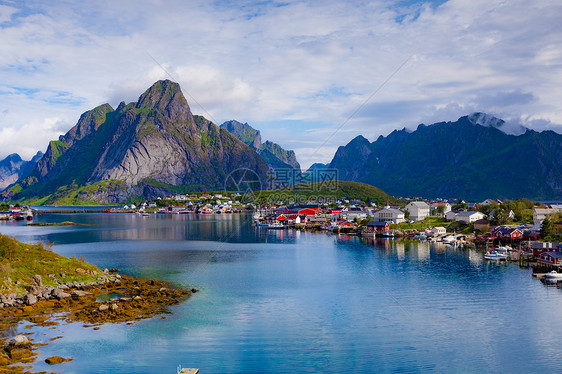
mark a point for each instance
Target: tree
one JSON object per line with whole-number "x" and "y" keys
{"x": 440, "y": 210}
{"x": 547, "y": 228}
{"x": 501, "y": 215}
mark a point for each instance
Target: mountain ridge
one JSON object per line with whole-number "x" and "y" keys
{"x": 457, "y": 159}
{"x": 156, "y": 138}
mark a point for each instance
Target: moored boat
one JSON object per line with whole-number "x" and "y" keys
{"x": 553, "y": 275}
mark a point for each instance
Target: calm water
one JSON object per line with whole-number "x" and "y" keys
{"x": 286, "y": 302}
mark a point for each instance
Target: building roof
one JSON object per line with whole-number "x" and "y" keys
{"x": 419, "y": 204}
{"x": 553, "y": 254}
{"x": 467, "y": 214}
{"x": 376, "y": 224}
{"x": 390, "y": 210}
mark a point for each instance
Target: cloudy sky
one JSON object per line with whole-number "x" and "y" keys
{"x": 311, "y": 75}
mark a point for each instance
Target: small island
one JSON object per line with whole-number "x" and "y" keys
{"x": 65, "y": 223}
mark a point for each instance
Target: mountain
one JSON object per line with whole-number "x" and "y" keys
{"x": 472, "y": 158}
{"x": 317, "y": 166}
{"x": 275, "y": 156}
{"x": 13, "y": 168}
{"x": 145, "y": 148}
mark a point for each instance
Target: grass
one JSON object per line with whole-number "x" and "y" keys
{"x": 331, "y": 190}
{"x": 430, "y": 221}
{"x": 20, "y": 262}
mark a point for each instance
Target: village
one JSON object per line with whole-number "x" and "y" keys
{"x": 506, "y": 230}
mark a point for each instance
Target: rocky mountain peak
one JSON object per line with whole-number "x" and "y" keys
{"x": 166, "y": 97}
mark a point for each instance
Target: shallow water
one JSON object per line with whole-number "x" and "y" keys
{"x": 285, "y": 301}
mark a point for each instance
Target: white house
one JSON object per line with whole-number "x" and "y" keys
{"x": 540, "y": 213}
{"x": 418, "y": 210}
{"x": 439, "y": 230}
{"x": 390, "y": 215}
{"x": 469, "y": 217}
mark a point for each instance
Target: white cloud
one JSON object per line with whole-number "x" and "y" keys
{"x": 303, "y": 64}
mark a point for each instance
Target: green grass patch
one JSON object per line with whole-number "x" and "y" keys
{"x": 20, "y": 262}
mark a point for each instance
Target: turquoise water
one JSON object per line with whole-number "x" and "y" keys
{"x": 287, "y": 302}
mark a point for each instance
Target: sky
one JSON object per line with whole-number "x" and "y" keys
{"x": 310, "y": 75}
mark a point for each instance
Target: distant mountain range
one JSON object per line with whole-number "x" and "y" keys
{"x": 12, "y": 168}
{"x": 156, "y": 146}
{"x": 471, "y": 158}
{"x": 148, "y": 148}
{"x": 275, "y": 156}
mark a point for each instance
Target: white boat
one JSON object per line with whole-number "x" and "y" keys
{"x": 420, "y": 237}
{"x": 276, "y": 226}
{"x": 553, "y": 275}
{"x": 495, "y": 255}
{"x": 449, "y": 239}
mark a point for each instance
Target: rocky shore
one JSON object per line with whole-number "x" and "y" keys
{"x": 112, "y": 298}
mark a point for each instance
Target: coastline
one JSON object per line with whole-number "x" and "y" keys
{"x": 48, "y": 289}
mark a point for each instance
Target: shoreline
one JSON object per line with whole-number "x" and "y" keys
{"x": 115, "y": 298}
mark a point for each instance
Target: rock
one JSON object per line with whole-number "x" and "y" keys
{"x": 20, "y": 353}
{"x": 103, "y": 308}
{"x": 193, "y": 290}
{"x": 124, "y": 299}
{"x": 63, "y": 295}
{"x": 38, "y": 280}
{"x": 114, "y": 306}
{"x": 62, "y": 275}
{"x": 55, "y": 360}
{"x": 162, "y": 289}
{"x": 105, "y": 271}
{"x": 137, "y": 298}
{"x": 80, "y": 270}
{"x": 19, "y": 341}
{"x": 30, "y": 299}
{"x": 76, "y": 294}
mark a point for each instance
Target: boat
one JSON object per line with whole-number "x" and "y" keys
{"x": 553, "y": 275}
{"x": 386, "y": 234}
{"x": 420, "y": 237}
{"x": 449, "y": 239}
{"x": 276, "y": 226}
{"x": 495, "y": 255}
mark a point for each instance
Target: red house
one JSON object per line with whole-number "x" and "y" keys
{"x": 378, "y": 226}
{"x": 550, "y": 258}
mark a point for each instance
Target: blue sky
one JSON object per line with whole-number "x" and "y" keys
{"x": 311, "y": 75}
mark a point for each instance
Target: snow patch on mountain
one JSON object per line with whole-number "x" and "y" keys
{"x": 488, "y": 120}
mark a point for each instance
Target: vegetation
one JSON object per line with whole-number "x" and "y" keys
{"x": 20, "y": 262}
{"x": 430, "y": 221}
{"x": 327, "y": 191}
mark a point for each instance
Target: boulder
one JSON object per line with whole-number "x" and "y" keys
{"x": 19, "y": 341}
{"x": 37, "y": 280}
{"x": 114, "y": 306}
{"x": 30, "y": 299}
{"x": 77, "y": 294}
{"x": 103, "y": 308}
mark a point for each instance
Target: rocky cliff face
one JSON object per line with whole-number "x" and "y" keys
{"x": 466, "y": 158}
{"x": 275, "y": 156}
{"x": 12, "y": 168}
{"x": 143, "y": 146}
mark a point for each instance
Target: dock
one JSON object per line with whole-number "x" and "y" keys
{"x": 188, "y": 371}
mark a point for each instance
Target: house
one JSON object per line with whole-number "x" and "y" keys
{"x": 482, "y": 225}
{"x": 493, "y": 213}
{"x": 550, "y": 258}
{"x": 418, "y": 210}
{"x": 504, "y": 232}
{"x": 374, "y": 227}
{"x": 390, "y": 215}
{"x": 438, "y": 230}
{"x": 540, "y": 247}
{"x": 344, "y": 224}
{"x": 447, "y": 207}
{"x": 469, "y": 217}
{"x": 450, "y": 216}
{"x": 541, "y": 212}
